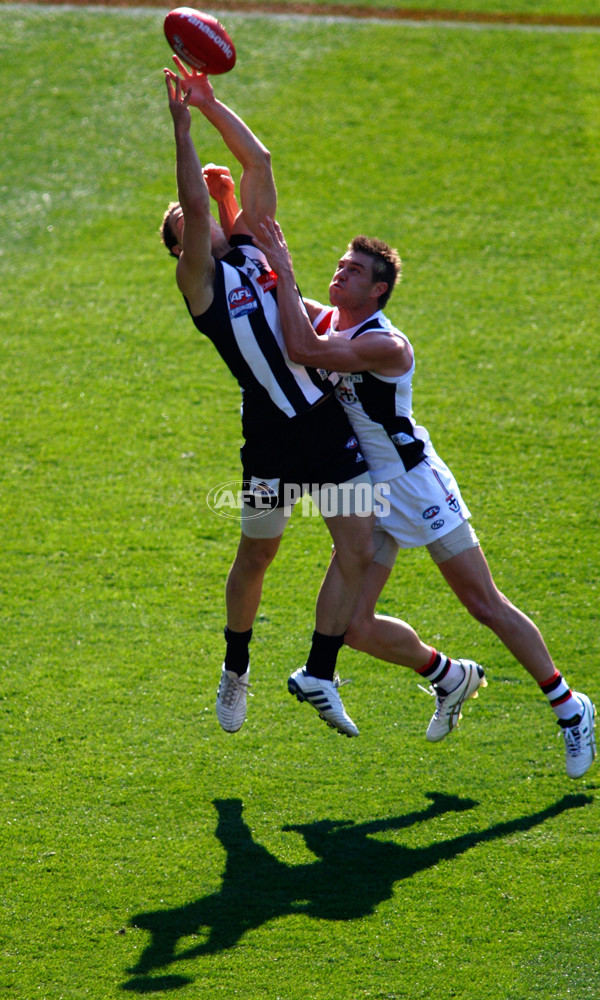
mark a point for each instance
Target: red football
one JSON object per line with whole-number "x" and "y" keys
{"x": 199, "y": 40}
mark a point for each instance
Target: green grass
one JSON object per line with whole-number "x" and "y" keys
{"x": 381, "y": 867}
{"x": 556, "y": 10}
{"x": 527, "y": 8}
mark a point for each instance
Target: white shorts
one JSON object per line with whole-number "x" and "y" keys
{"x": 456, "y": 541}
{"x": 422, "y": 505}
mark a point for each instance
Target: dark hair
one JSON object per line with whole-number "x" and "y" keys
{"x": 167, "y": 233}
{"x": 387, "y": 265}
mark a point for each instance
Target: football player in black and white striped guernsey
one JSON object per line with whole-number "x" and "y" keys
{"x": 295, "y": 434}
{"x": 425, "y": 506}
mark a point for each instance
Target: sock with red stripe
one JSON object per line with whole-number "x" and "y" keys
{"x": 445, "y": 674}
{"x": 565, "y": 705}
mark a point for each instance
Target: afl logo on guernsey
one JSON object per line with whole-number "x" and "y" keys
{"x": 241, "y": 302}
{"x": 430, "y": 512}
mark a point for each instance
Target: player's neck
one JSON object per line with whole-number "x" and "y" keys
{"x": 345, "y": 319}
{"x": 220, "y": 248}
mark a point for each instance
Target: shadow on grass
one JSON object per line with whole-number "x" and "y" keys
{"x": 351, "y": 875}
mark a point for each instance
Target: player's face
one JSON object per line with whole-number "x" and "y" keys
{"x": 217, "y": 236}
{"x": 352, "y": 284}
{"x": 176, "y": 220}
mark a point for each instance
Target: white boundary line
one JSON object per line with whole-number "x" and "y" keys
{"x": 157, "y": 12}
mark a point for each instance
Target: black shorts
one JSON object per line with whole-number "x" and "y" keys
{"x": 307, "y": 451}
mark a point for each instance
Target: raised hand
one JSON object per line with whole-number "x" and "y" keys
{"x": 178, "y": 100}
{"x": 198, "y": 84}
{"x": 219, "y": 181}
{"x": 271, "y": 241}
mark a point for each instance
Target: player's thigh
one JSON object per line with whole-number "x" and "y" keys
{"x": 469, "y": 576}
{"x": 352, "y": 530}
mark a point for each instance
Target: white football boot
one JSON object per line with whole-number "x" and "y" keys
{"x": 231, "y": 699}
{"x": 324, "y": 697}
{"x": 448, "y": 706}
{"x": 580, "y": 744}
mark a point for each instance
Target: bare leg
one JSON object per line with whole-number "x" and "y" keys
{"x": 469, "y": 576}
{"x": 389, "y": 639}
{"x": 245, "y": 580}
{"x": 340, "y": 590}
{"x": 353, "y": 539}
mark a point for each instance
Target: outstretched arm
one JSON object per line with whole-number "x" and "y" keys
{"x": 258, "y": 194}
{"x": 377, "y": 351}
{"x": 195, "y": 265}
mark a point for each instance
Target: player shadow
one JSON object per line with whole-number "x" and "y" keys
{"x": 351, "y": 875}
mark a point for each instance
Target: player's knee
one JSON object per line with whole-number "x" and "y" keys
{"x": 483, "y": 610}
{"x": 255, "y": 558}
{"x": 356, "y": 633}
{"x": 360, "y": 630}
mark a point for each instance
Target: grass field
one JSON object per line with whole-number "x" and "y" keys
{"x": 528, "y": 8}
{"x": 569, "y": 12}
{"x": 143, "y": 850}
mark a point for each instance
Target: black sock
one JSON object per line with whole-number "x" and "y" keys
{"x": 237, "y": 656}
{"x": 323, "y": 655}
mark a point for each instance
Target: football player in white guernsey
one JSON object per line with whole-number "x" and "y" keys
{"x": 376, "y": 363}
{"x": 229, "y": 291}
